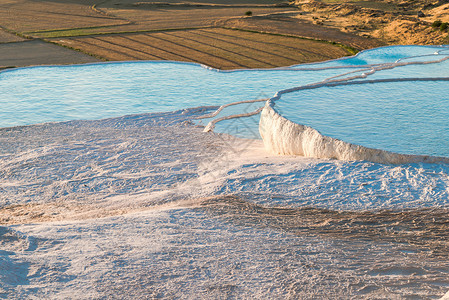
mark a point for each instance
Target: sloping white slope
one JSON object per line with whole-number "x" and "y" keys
{"x": 150, "y": 206}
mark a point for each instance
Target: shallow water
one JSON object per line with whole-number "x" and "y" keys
{"x": 405, "y": 117}
{"x": 47, "y": 94}
{"x": 369, "y": 115}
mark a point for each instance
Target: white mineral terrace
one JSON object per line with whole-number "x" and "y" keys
{"x": 110, "y": 189}
{"x": 284, "y": 137}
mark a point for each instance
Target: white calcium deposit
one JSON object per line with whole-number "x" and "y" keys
{"x": 149, "y": 206}
{"x": 283, "y": 137}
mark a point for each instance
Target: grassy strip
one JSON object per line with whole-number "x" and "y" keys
{"x": 349, "y": 49}
{"x": 68, "y": 31}
{"x": 87, "y": 31}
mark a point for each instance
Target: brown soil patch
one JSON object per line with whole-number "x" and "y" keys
{"x": 35, "y": 52}
{"x": 215, "y": 47}
{"x": 6, "y": 37}
{"x": 26, "y": 16}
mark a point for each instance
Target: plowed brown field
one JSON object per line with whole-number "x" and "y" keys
{"x": 216, "y": 47}
{"x": 28, "y": 16}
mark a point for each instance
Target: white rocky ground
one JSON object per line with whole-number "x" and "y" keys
{"x": 149, "y": 206}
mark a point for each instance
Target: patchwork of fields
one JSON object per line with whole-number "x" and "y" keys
{"x": 171, "y": 30}
{"x": 216, "y": 47}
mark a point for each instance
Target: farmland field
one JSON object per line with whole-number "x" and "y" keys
{"x": 6, "y": 37}
{"x": 211, "y": 32}
{"x": 25, "y": 16}
{"x": 216, "y": 47}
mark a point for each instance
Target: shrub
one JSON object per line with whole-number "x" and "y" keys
{"x": 249, "y": 13}
{"x": 436, "y": 24}
{"x": 443, "y": 26}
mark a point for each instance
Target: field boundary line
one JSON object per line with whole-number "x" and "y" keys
{"x": 72, "y": 29}
{"x": 349, "y": 49}
{"x": 170, "y": 52}
{"x": 19, "y": 34}
{"x": 193, "y": 49}
{"x": 230, "y": 51}
{"x": 161, "y": 49}
{"x": 95, "y": 8}
{"x": 205, "y": 44}
{"x": 109, "y": 33}
{"x": 270, "y": 43}
{"x": 116, "y": 51}
{"x": 248, "y": 47}
{"x": 126, "y": 47}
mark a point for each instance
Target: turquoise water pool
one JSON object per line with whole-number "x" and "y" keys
{"x": 406, "y": 117}
{"x": 60, "y": 93}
